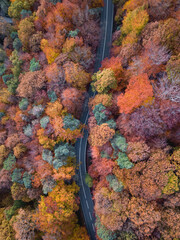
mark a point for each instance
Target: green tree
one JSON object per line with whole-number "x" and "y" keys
{"x": 17, "y": 176}
{"x": 26, "y": 30}
{"x": 88, "y": 180}
{"x": 34, "y": 65}
{"x": 16, "y": 70}
{"x": 3, "y": 152}
{"x": 99, "y": 113}
{"x": 48, "y": 184}
{"x": 15, "y": 9}
{"x": 172, "y": 185}
{"x": 23, "y": 104}
{"x": 9, "y": 162}
{"x": 47, "y": 156}
{"x": 13, "y": 210}
{"x": 104, "y": 80}
{"x": 44, "y": 121}
{"x": 118, "y": 142}
{"x": 123, "y": 161}
{"x": 62, "y": 152}
{"x": 2, "y": 69}
{"x": 114, "y": 183}
{"x": 7, "y": 77}
{"x": 17, "y": 44}
{"x": 2, "y": 55}
{"x": 70, "y": 122}
{"x": 103, "y": 232}
{"x": 17, "y": 6}
{"x": 28, "y": 131}
{"x": 111, "y": 123}
{"x": 27, "y": 180}
{"x": 52, "y": 96}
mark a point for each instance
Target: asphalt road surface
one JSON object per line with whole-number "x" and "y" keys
{"x": 87, "y": 204}
{"x": 6, "y": 19}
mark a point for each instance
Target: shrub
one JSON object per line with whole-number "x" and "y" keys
{"x": 2, "y": 55}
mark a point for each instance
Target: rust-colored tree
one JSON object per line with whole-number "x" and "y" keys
{"x": 30, "y": 83}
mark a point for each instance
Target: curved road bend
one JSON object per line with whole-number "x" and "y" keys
{"x": 86, "y": 201}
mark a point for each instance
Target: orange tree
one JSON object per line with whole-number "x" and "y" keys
{"x": 138, "y": 92}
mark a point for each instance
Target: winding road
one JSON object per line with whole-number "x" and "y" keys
{"x": 86, "y": 201}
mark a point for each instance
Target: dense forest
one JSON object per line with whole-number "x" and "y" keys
{"x": 47, "y": 58}
{"x": 135, "y": 125}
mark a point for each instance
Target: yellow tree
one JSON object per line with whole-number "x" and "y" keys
{"x": 56, "y": 212}
{"x": 76, "y": 76}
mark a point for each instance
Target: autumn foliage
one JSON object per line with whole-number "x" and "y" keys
{"x": 138, "y": 92}
{"x": 47, "y": 58}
